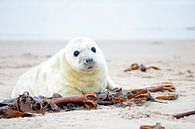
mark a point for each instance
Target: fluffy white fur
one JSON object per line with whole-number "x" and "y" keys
{"x": 66, "y": 74}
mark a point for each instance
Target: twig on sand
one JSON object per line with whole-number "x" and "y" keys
{"x": 181, "y": 115}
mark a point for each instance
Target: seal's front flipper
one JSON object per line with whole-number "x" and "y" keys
{"x": 111, "y": 85}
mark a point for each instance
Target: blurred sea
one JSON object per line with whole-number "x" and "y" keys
{"x": 99, "y": 19}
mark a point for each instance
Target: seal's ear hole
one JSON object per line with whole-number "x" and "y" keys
{"x": 93, "y": 49}
{"x": 76, "y": 53}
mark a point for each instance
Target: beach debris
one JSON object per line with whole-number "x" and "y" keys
{"x": 140, "y": 67}
{"x": 134, "y": 66}
{"x": 8, "y": 113}
{"x": 168, "y": 97}
{"x": 87, "y": 100}
{"x": 156, "y": 126}
{"x": 164, "y": 86}
{"x": 124, "y": 98}
{"x": 26, "y": 105}
{"x": 182, "y": 115}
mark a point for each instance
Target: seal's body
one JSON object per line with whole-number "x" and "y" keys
{"x": 77, "y": 69}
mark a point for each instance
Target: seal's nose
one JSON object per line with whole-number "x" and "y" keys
{"x": 89, "y": 61}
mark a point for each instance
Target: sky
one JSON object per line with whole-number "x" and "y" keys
{"x": 99, "y": 19}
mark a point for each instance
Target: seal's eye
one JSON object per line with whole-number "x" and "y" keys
{"x": 93, "y": 49}
{"x": 76, "y": 53}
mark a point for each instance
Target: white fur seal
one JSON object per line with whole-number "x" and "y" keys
{"x": 77, "y": 69}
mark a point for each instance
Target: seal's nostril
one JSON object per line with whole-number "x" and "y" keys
{"x": 89, "y": 60}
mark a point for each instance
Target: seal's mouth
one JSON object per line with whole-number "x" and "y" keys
{"x": 90, "y": 67}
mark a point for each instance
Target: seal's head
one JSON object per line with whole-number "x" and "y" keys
{"x": 83, "y": 55}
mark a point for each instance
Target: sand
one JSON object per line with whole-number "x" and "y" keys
{"x": 175, "y": 58}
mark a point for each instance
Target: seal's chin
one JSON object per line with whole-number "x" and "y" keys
{"x": 88, "y": 69}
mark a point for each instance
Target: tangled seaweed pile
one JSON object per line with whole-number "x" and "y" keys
{"x": 25, "y": 105}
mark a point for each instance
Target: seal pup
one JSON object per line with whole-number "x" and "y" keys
{"x": 77, "y": 69}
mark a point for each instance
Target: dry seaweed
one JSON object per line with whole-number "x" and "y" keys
{"x": 140, "y": 67}
{"x": 87, "y": 100}
{"x": 156, "y": 126}
{"x": 25, "y": 105}
{"x": 167, "y": 97}
{"x": 9, "y": 113}
{"x": 124, "y": 97}
{"x": 165, "y": 86}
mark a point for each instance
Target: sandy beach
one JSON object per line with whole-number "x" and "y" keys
{"x": 176, "y": 58}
